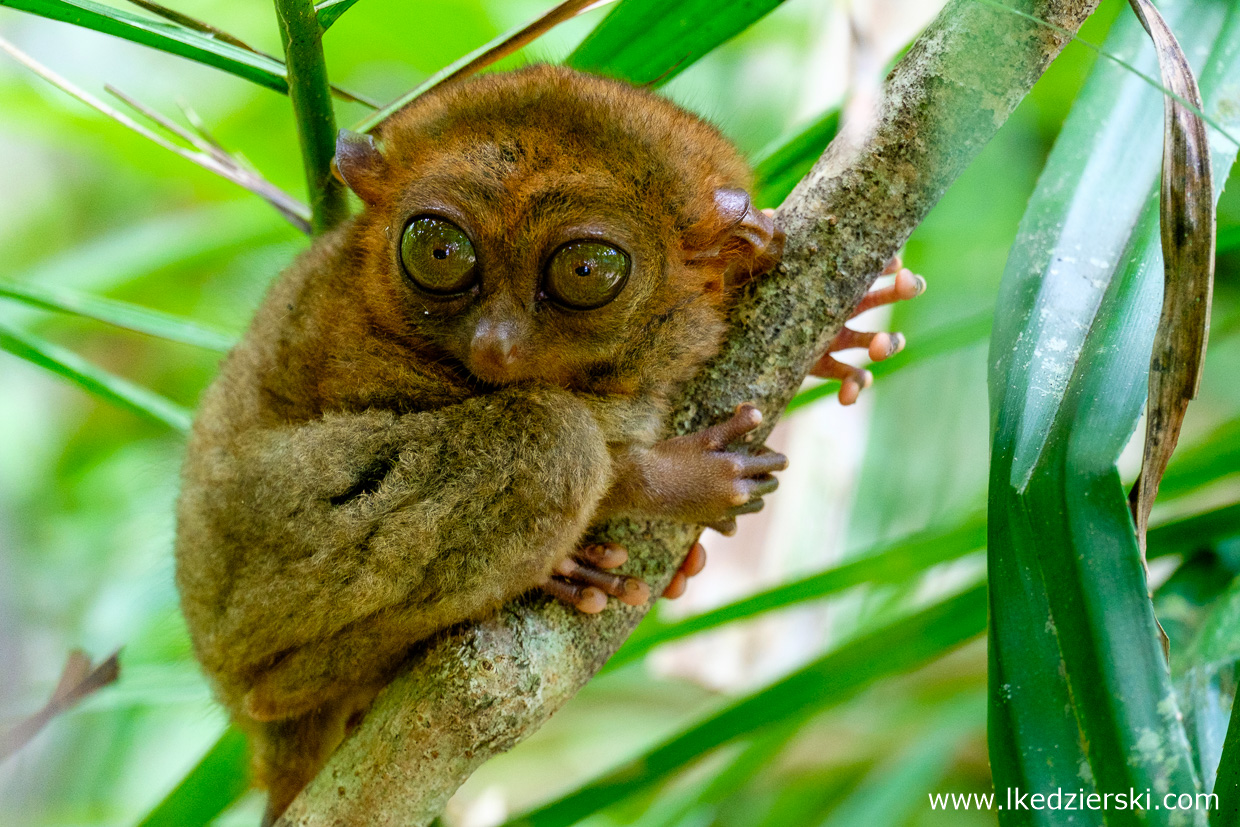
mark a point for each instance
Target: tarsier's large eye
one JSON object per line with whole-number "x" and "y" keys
{"x": 437, "y": 255}
{"x": 584, "y": 275}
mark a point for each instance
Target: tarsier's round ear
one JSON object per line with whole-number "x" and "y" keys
{"x": 738, "y": 236}
{"x": 359, "y": 164}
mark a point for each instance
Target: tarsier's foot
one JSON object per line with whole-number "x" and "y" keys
{"x": 880, "y": 346}
{"x": 584, "y": 582}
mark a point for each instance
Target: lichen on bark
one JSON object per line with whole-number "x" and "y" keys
{"x": 481, "y": 689}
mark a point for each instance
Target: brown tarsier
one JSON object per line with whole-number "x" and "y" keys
{"x": 438, "y": 399}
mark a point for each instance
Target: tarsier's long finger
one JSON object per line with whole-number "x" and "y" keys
{"x": 908, "y": 285}
{"x": 586, "y": 599}
{"x": 726, "y": 526}
{"x": 760, "y": 465}
{"x": 626, "y": 589}
{"x": 852, "y": 380}
{"x": 752, "y": 507}
{"x": 760, "y": 486}
{"x": 743, "y": 420}
{"x": 879, "y": 346}
{"x": 693, "y": 564}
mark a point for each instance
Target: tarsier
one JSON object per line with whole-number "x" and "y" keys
{"x": 438, "y": 399}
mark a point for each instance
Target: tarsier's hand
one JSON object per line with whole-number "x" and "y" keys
{"x": 697, "y": 479}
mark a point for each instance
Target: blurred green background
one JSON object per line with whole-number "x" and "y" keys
{"x": 87, "y": 489}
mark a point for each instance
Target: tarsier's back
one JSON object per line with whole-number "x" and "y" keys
{"x": 436, "y": 400}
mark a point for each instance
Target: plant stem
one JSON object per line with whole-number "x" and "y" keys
{"x": 312, "y": 107}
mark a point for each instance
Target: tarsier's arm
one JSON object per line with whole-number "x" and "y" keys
{"x": 435, "y": 516}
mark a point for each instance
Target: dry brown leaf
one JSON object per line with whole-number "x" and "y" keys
{"x": 77, "y": 680}
{"x": 1187, "y": 212}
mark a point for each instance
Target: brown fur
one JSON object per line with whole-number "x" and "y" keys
{"x": 354, "y": 485}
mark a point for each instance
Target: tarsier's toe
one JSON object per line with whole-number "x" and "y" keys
{"x": 586, "y": 599}
{"x": 692, "y": 566}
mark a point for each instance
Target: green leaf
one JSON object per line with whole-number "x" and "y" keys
{"x": 120, "y": 314}
{"x": 217, "y": 781}
{"x": 1227, "y": 785}
{"x": 483, "y": 56}
{"x": 329, "y": 11}
{"x": 105, "y": 385}
{"x": 162, "y": 35}
{"x": 896, "y": 648}
{"x": 899, "y": 562}
{"x": 1078, "y": 676}
{"x": 969, "y": 332}
{"x": 652, "y": 41}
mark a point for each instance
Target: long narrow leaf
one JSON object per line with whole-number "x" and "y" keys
{"x": 484, "y": 56}
{"x": 897, "y": 563}
{"x": 211, "y": 31}
{"x": 329, "y": 11}
{"x": 1187, "y": 220}
{"x": 652, "y": 41}
{"x": 781, "y": 167}
{"x": 1227, "y": 783}
{"x": 120, "y": 314}
{"x": 212, "y": 160}
{"x": 214, "y": 784}
{"x": 162, "y": 35}
{"x": 114, "y": 389}
{"x": 905, "y": 644}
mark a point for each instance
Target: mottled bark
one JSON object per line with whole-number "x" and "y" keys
{"x": 486, "y": 687}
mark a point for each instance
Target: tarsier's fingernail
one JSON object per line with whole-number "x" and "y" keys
{"x": 909, "y": 285}
{"x": 750, "y": 411}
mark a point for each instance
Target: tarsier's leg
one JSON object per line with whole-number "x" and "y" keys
{"x": 880, "y": 346}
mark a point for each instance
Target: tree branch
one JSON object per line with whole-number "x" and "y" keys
{"x": 479, "y": 691}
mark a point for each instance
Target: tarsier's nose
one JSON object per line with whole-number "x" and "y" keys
{"x": 494, "y": 347}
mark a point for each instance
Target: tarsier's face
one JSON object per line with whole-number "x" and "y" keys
{"x": 532, "y": 226}
{"x": 521, "y": 272}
